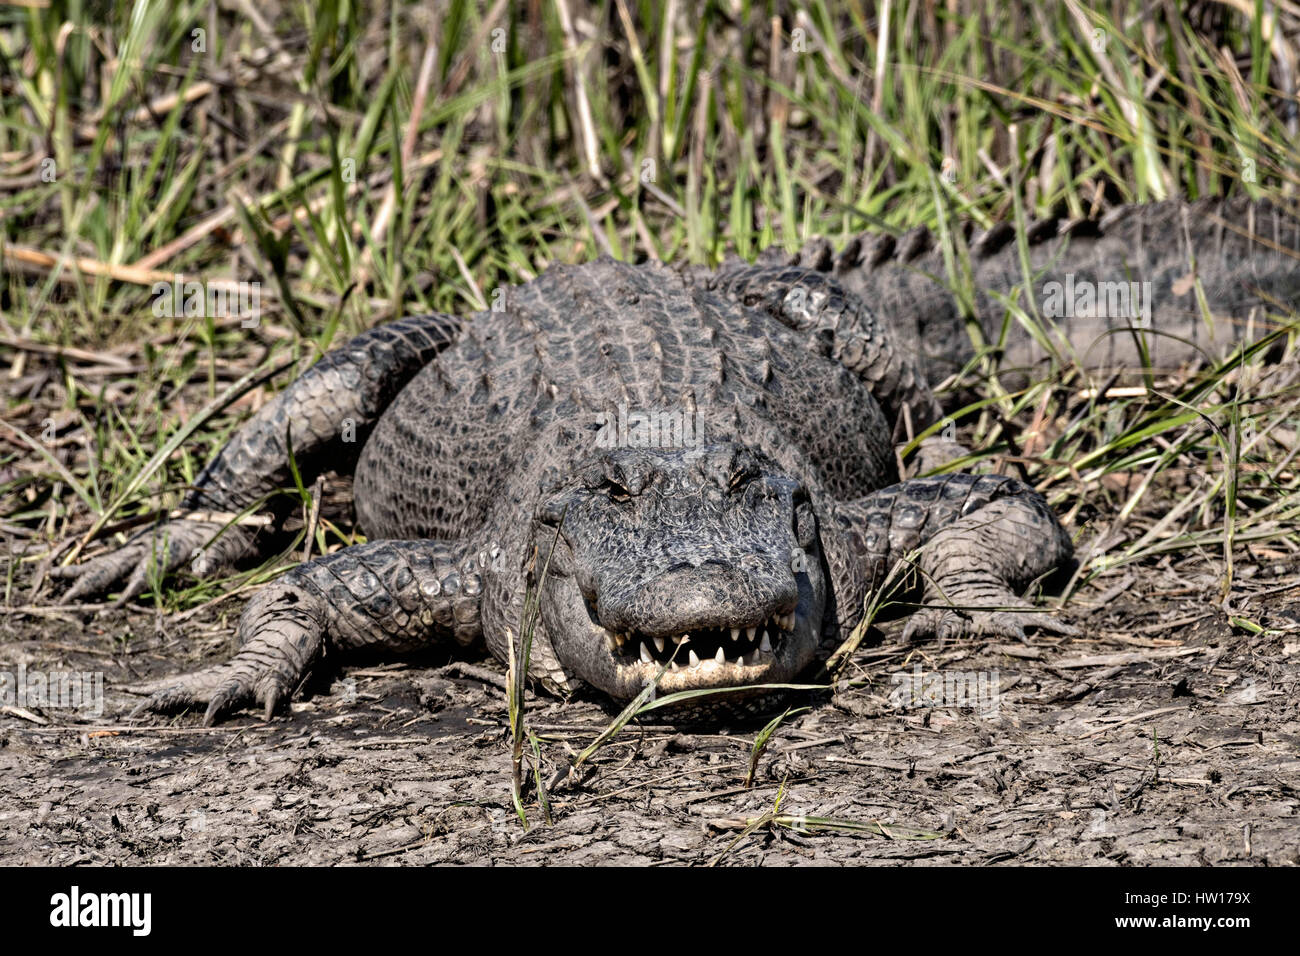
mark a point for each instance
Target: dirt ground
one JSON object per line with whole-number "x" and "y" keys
{"x": 1168, "y": 734}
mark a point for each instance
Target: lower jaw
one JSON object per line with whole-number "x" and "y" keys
{"x": 705, "y": 676}
{"x": 728, "y": 706}
{"x": 729, "y": 679}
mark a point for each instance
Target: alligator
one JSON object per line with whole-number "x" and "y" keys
{"x": 694, "y": 470}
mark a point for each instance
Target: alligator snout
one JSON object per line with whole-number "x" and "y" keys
{"x": 689, "y": 599}
{"x": 711, "y": 613}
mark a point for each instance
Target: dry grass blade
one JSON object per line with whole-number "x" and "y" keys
{"x": 895, "y": 580}
{"x": 516, "y": 683}
{"x": 761, "y": 742}
{"x": 799, "y": 823}
{"x": 251, "y": 380}
{"x": 636, "y": 706}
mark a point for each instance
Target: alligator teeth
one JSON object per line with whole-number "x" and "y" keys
{"x": 676, "y": 666}
{"x": 752, "y": 659}
{"x": 765, "y": 645}
{"x": 645, "y": 654}
{"x": 693, "y": 658}
{"x": 720, "y": 657}
{"x": 659, "y": 644}
{"x": 735, "y": 633}
{"x": 750, "y": 632}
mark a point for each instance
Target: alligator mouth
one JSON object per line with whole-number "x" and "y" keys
{"x": 745, "y": 652}
{"x": 752, "y": 646}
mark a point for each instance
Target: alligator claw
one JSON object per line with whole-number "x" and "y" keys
{"x": 185, "y": 692}
{"x": 220, "y": 690}
{"x": 281, "y": 639}
{"x": 948, "y": 623}
{"x": 99, "y": 575}
{"x": 205, "y": 545}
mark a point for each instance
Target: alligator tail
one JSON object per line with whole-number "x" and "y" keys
{"x": 1194, "y": 278}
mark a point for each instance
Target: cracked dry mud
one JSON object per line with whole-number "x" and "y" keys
{"x": 1163, "y": 734}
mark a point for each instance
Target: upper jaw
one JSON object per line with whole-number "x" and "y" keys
{"x": 742, "y": 645}
{"x": 765, "y": 650}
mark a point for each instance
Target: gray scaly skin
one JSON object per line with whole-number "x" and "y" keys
{"x": 736, "y": 555}
{"x": 348, "y": 389}
{"x": 1241, "y": 256}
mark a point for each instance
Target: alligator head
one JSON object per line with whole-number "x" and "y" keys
{"x": 704, "y": 559}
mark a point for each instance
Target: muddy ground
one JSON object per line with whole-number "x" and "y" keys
{"x": 1168, "y": 734}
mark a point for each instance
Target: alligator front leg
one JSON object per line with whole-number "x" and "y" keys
{"x": 982, "y": 540}
{"x": 322, "y": 419}
{"x": 384, "y": 595}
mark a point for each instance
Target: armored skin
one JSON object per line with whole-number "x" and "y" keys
{"x": 749, "y": 504}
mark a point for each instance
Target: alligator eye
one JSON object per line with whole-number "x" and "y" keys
{"x": 615, "y": 491}
{"x": 741, "y": 477}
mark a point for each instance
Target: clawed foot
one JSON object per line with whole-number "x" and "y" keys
{"x": 155, "y": 552}
{"x": 951, "y": 621}
{"x": 218, "y": 689}
{"x": 283, "y": 637}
